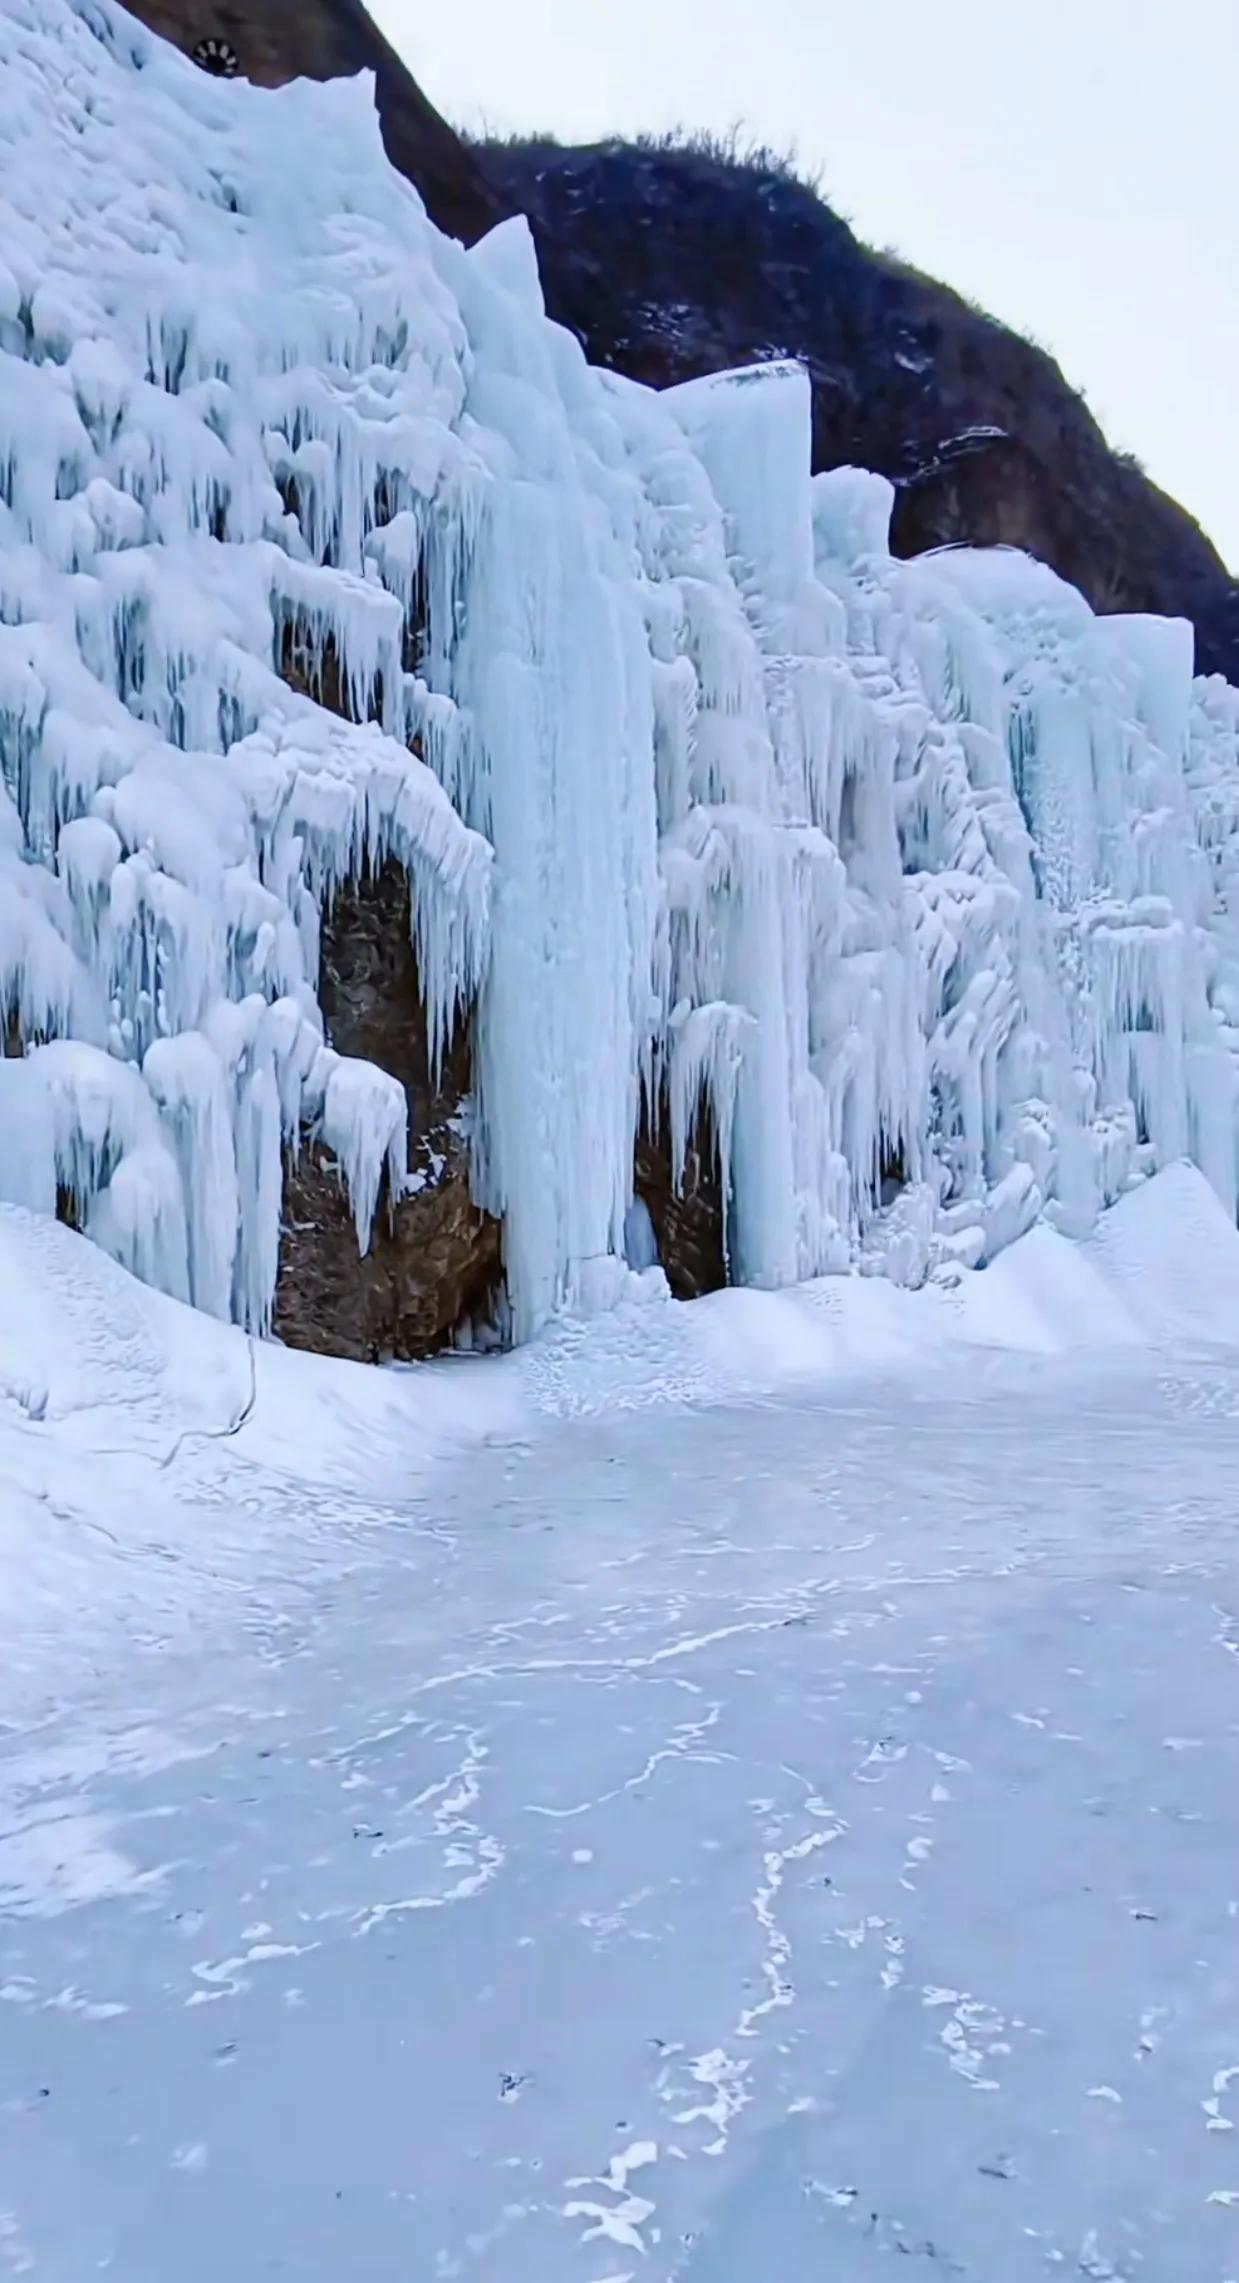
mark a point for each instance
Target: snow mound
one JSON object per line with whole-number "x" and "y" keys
{"x": 1047, "y": 1295}
{"x": 913, "y": 876}
{"x": 89, "y": 1348}
{"x": 151, "y": 1458}
{"x": 139, "y": 1442}
{"x": 1171, "y": 1255}
{"x": 95, "y": 1360}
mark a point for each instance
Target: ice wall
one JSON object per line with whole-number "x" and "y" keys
{"x": 921, "y": 877}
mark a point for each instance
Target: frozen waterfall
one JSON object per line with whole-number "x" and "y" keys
{"x": 919, "y": 876}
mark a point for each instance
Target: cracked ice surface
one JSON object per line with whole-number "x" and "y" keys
{"x": 711, "y": 1840}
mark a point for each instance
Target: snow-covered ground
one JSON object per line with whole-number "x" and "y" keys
{"x": 739, "y": 1793}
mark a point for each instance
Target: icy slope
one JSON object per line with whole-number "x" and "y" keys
{"x": 919, "y": 874}
{"x": 154, "y": 1464}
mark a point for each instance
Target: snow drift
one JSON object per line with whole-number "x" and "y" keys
{"x": 918, "y": 875}
{"x": 152, "y": 1458}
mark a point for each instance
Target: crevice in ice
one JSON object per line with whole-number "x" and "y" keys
{"x": 685, "y": 1210}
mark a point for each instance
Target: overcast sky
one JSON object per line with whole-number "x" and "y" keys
{"x": 1072, "y": 164}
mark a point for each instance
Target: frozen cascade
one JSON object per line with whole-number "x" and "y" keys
{"x": 923, "y": 880}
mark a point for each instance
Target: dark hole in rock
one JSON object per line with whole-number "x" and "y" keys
{"x": 892, "y": 1169}
{"x": 689, "y": 1222}
{"x": 217, "y": 57}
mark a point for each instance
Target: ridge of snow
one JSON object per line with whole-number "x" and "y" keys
{"x": 134, "y": 1426}
{"x": 915, "y": 872}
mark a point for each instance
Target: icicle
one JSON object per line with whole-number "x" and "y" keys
{"x": 140, "y": 1219}
{"x": 321, "y": 549}
{"x": 186, "y": 1080}
{"x": 27, "y": 1137}
{"x": 364, "y": 1123}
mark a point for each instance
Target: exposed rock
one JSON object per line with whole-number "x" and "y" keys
{"x": 688, "y": 1221}
{"x": 673, "y": 263}
{"x": 435, "y": 1262}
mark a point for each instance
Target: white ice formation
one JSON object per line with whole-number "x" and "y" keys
{"x": 919, "y": 875}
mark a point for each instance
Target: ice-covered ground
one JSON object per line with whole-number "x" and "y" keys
{"x": 739, "y": 1793}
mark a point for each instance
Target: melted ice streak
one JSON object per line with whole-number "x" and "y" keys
{"x": 906, "y": 868}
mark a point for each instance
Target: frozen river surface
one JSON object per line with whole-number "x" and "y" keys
{"x": 759, "y": 1844}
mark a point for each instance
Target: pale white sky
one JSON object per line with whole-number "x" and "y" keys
{"x": 1072, "y": 164}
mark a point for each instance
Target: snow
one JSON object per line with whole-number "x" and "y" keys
{"x": 723, "y": 1790}
{"x": 912, "y": 872}
{"x": 107, "y": 1383}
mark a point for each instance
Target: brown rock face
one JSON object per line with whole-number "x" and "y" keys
{"x": 688, "y": 1220}
{"x": 271, "y": 41}
{"x": 435, "y": 1262}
